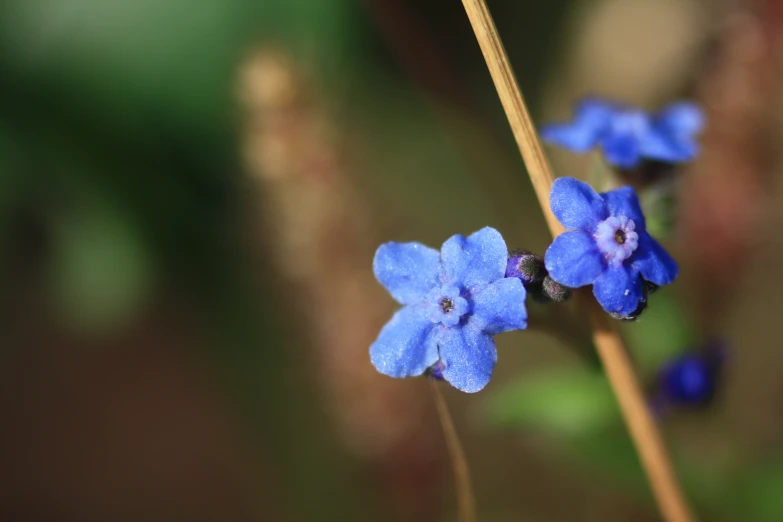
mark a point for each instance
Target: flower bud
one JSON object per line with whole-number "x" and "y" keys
{"x": 554, "y": 290}
{"x": 692, "y": 379}
{"x": 526, "y": 266}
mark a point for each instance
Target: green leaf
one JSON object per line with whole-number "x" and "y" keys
{"x": 101, "y": 268}
{"x": 149, "y": 65}
{"x": 566, "y": 401}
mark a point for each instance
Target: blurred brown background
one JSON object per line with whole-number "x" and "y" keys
{"x": 191, "y": 193}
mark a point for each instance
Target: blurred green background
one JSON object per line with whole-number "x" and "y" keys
{"x": 191, "y": 193}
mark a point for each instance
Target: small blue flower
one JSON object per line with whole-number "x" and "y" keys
{"x": 455, "y": 301}
{"x": 628, "y": 135}
{"x": 688, "y": 380}
{"x": 607, "y": 245}
{"x": 692, "y": 379}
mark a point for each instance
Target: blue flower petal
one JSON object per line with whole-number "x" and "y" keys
{"x": 450, "y": 291}
{"x": 469, "y": 356}
{"x": 662, "y": 146}
{"x": 672, "y": 138}
{"x": 622, "y": 144}
{"x": 618, "y": 289}
{"x": 475, "y": 261}
{"x": 407, "y": 270}
{"x": 575, "y": 204}
{"x": 572, "y": 136}
{"x": 653, "y": 262}
{"x": 624, "y": 202}
{"x": 591, "y": 122}
{"x": 595, "y": 112}
{"x": 500, "y": 307}
{"x": 683, "y": 118}
{"x": 407, "y": 344}
{"x": 461, "y": 306}
{"x": 622, "y": 150}
{"x": 573, "y": 259}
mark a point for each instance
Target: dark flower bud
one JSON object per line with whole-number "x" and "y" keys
{"x": 526, "y": 266}
{"x": 554, "y": 290}
{"x": 529, "y": 268}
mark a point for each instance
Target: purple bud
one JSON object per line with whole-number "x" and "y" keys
{"x": 527, "y": 267}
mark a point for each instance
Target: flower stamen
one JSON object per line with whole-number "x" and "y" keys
{"x": 447, "y": 305}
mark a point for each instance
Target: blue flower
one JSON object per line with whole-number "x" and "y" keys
{"x": 692, "y": 379}
{"x": 627, "y": 135}
{"x": 454, "y": 301}
{"x": 688, "y": 380}
{"x": 607, "y": 245}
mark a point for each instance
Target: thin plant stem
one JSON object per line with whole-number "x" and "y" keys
{"x": 611, "y": 349}
{"x": 466, "y": 502}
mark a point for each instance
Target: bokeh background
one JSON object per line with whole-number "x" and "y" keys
{"x": 191, "y": 192}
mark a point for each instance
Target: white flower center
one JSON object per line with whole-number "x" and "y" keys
{"x": 616, "y": 239}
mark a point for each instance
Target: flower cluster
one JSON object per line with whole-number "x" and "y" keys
{"x": 607, "y": 245}
{"x": 454, "y": 302}
{"x": 628, "y": 135}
